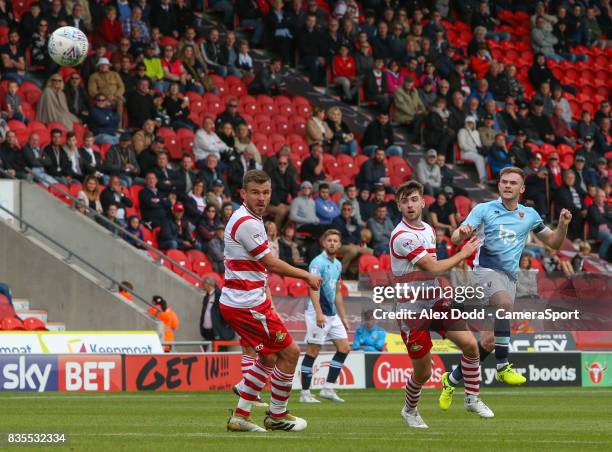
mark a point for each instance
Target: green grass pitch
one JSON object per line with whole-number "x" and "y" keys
{"x": 526, "y": 419}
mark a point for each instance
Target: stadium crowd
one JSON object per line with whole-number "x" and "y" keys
{"x": 157, "y": 127}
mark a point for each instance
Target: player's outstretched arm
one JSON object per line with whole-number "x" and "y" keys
{"x": 275, "y": 265}
{"x": 555, "y": 238}
{"x": 429, "y": 264}
{"x": 462, "y": 233}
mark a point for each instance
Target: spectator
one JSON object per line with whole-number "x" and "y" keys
{"x": 135, "y": 21}
{"x": 543, "y": 94}
{"x": 177, "y": 108}
{"x": 344, "y": 74}
{"x": 230, "y": 114}
{"x": 41, "y": 60}
{"x": 487, "y": 132}
{"x": 311, "y": 51}
{"x": 499, "y": 157}
{"x": 381, "y": 227}
{"x": 114, "y": 194}
{"x": 326, "y": 208}
{"x": 110, "y": 220}
{"x": 165, "y": 175}
{"x": 13, "y": 59}
{"x": 245, "y": 60}
{"x": 109, "y": 83}
{"x": 483, "y": 18}
{"x": 103, "y": 121}
{"x": 592, "y": 30}
{"x": 375, "y": 86}
{"x": 584, "y": 176}
{"x": 288, "y": 249}
{"x": 603, "y": 112}
{"x": 210, "y": 315}
{"x": 194, "y": 201}
{"x": 599, "y": 217}
{"x": 470, "y": 147}
{"x": 520, "y": 152}
{"x": 177, "y": 233}
{"x": 603, "y": 138}
{"x": 166, "y": 315}
{"x": 242, "y": 143}
{"x": 121, "y": 160}
{"x": 163, "y": 16}
{"x": 331, "y": 40}
{"x": 207, "y": 224}
{"x": 343, "y": 139}
{"x": 143, "y": 138}
{"x": 12, "y": 105}
{"x": 11, "y": 155}
{"x": 374, "y": 171}
{"x": 268, "y": 80}
{"x": 28, "y": 24}
{"x": 134, "y": 228}
{"x": 303, "y": 212}
{"x": 250, "y": 14}
{"x": 437, "y": 134}
{"x": 237, "y": 168}
{"x": 560, "y": 128}
{"x": 284, "y": 188}
{"x": 508, "y": 118}
{"x": 216, "y": 247}
{"x": 351, "y": 195}
{"x": 196, "y": 68}
{"x": 443, "y": 214}
{"x": 125, "y": 50}
{"x": 369, "y": 337}
{"x": 272, "y": 234}
{"x": 314, "y": 172}
{"x": 278, "y": 30}
{"x": 75, "y": 168}
{"x": 37, "y": 160}
{"x": 90, "y": 194}
{"x": 185, "y": 177}
{"x": 540, "y": 122}
{"x": 141, "y": 105}
{"x": 442, "y": 245}
{"x": 409, "y": 109}
{"x": 540, "y": 72}
{"x": 428, "y": 173}
{"x": 154, "y": 70}
{"x": 570, "y": 198}
{"x": 207, "y": 142}
{"x": 147, "y": 159}
{"x": 55, "y": 159}
{"x": 317, "y": 129}
{"x": 350, "y": 233}
{"x": 585, "y": 127}
{"x": 510, "y": 85}
{"x": 53, "y": 106}
{"x": 379, "y": 134}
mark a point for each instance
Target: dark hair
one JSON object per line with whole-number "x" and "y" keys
{"x": 347, "y": 203}
{"x": 407, "y": 189}
{"x": 323, "y": 187}
{"x": 255, "y": 176}
{"x": 159, "y": 301}
{"x": 56, "y": 131}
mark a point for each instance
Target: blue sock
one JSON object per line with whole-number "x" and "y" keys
{"x": 334, "y": 368}
{"x": 502, "y": 342}
{"x": 306, "y": 369}
{"x": 456, "y": 375}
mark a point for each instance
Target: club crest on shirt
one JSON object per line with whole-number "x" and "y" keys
{"x": 407, "y": 243}
{"x": 521, "y": 215}
{"x": 280, "y": 336}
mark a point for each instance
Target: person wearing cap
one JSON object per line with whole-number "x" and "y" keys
{"x": 121, "y": 160}
{"x": 303, "y": 211}
{"x": 540, "y": 122}
{"x": 216, "y": 195}
{"x": 154, "y": 70}
{"x": 520, "y": 153}
{"x": 585, "y": 176}
{"x": 108, "y": 82}
{"x": 409, "y": 109}
{"x": 469, "y": 142}
{"x": 588, "y": 152}
{"x": 177, "y": 233}
{"x": 586, "y": 126}
{"x": 507, "y": 118}
{"x": 427, "y": 92}
{"x": 53, "y": 106}
{"x": 215, "y": 248}
{"x": 487, "y": 132}
{"x": 162, "y": 312}
{"x": 428, "y": 173}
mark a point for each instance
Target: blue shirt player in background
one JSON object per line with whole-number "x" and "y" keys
{"x": 502, "y": 226}
{"x": 325, "y": 319}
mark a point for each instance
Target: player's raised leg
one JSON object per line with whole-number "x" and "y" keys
{"x": 470, "y": 369}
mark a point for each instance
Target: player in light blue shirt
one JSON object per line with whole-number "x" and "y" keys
{"x": 502, "y": 227}
{"x": 325, "y": 319}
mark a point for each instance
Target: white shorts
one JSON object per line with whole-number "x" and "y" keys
{"x": 333, "y": 329}
{"x": 493, "y": 281}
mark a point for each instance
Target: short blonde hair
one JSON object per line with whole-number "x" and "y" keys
{"x": 512, "y": 169}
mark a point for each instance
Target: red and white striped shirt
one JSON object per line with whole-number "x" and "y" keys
{"x": 246, "y": 242}
{"x": 410, "y": 244}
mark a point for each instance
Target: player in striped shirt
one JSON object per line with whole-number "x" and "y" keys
{"x": 246, "y": 306}
{"x": 413, "y": 259}
{"x": 502, "y": 226}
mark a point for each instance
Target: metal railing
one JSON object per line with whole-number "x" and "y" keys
{"x": 117, "y": 230}
{"x": 115, "y": 284}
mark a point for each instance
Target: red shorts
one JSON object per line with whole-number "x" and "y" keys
{"x": 416, "y": 334}
{"x": 259, "y": 327}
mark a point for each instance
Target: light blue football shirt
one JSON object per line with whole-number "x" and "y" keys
{"x": 502, "y": 234}
{"x": 330, "y": 273}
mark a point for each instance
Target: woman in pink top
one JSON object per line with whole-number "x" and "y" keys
{"x": 394, "y": 78}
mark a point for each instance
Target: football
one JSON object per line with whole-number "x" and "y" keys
{"x": 68, "y": 46}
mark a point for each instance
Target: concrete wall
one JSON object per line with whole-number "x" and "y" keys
{"x": 111, "y": 255}
{"x": 36, "y": 272}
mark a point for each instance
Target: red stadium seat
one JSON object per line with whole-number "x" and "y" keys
{"x": 463, "y": 204}
{"x": 180, "y": 258}
{"x": 134, "y": 191}
{"x": 199, "y": 262}
{"x": 11, "y": 324}
{"x": 34, "y": 324}
{"x": 277, "y": 285}
{"x": 296, "y": 287}
{"x": 368, "y": 263}
{"x": 385, "y": 262}
{"x": 429, "y": 200}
